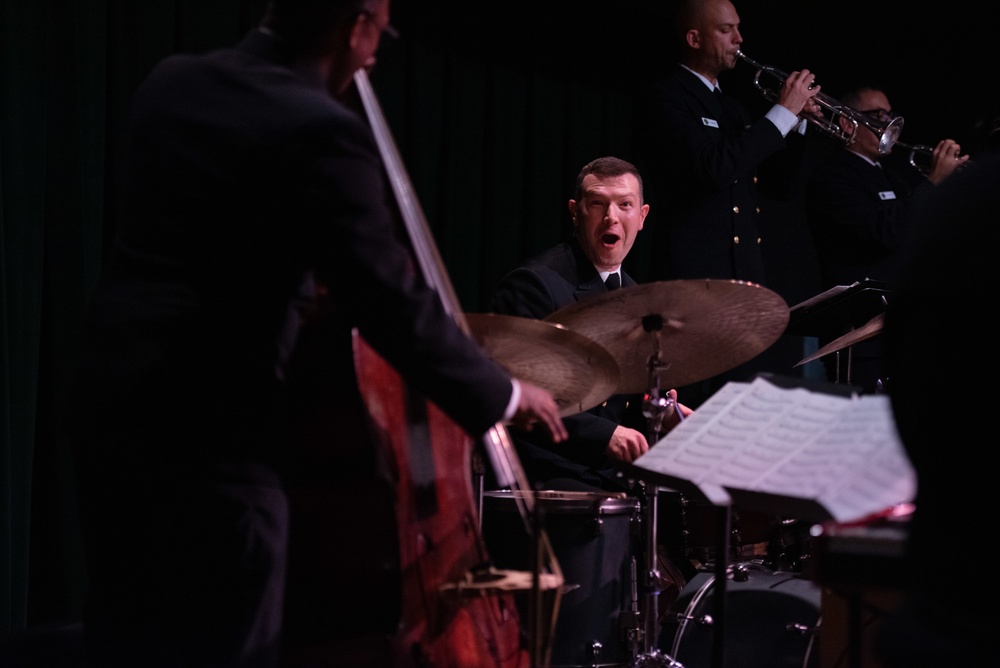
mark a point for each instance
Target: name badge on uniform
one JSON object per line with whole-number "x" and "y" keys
{"x": 709, "y": 122}
{"x": 887, "y": 194}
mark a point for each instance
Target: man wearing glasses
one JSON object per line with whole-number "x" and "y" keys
{"x": 859, "y": 207}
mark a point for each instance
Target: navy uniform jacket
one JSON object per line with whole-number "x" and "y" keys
{"x": 699, "y": 155}
{"x": 859, "y": 217}
{"x": 558, "y": 277}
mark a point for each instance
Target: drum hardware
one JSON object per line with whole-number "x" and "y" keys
{"x": 655, "y": 659}
{"x": 632, "y": 621}
{"x": 656, "y": 407}
{"x": 640, "y": 629}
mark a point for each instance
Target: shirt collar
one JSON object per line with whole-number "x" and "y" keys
{"x": 704, "y": 80}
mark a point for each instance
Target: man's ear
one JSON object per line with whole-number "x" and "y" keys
{"x": 693, "y": 38}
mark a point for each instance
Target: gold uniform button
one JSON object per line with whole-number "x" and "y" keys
{"x": 758, "y": 209}
{"x": 758, "y": 241}
{"x": 736, "y": 209}
{"x": 755, "y": 180}
{"x": 736, "y": 239}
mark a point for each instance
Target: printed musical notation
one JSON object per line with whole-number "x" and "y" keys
{"x": 815, "y": 454}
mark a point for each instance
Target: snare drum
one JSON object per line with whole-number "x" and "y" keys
{"x": 594, "y": 537}
{"x": 772, "y": 620}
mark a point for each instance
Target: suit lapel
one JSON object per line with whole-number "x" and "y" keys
{"x": 716, "y": 107}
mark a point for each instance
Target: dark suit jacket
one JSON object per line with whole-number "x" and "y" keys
{"x": 859, "y": 218}
{"x": 699, "y": 154}
{"x": 246, "y": 190}
{"x": 245, "y": 181}
{"x": 558, "y": 277}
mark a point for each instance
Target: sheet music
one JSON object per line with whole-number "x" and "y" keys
{"x": 841, "y": 453}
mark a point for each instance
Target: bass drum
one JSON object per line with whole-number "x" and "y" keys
{"x": 772, "y": 620}
{"x": 594, "y": 537}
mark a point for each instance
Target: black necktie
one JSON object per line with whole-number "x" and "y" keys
{"x": 613, "y": 281}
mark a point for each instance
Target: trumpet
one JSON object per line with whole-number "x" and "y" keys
{"x": 921, "y": 151}
{"x": 887, "y": 132}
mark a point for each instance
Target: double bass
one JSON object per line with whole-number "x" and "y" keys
{"x": 457, "y": 609}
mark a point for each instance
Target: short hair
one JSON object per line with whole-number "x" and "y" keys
{"x": 852, "y": 98}
{"x": 607, "y": 166}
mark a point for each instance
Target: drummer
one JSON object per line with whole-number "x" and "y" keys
{"x": 607, "y": 212}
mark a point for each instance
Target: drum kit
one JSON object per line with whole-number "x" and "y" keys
{"x": 639, "y": 340}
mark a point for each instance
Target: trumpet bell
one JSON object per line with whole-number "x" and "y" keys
{"x": 887, "y": 132}
{"x": 889, "y": 135}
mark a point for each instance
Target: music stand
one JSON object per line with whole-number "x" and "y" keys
{"x": 838, "y": 311}
{"x": 782, "y": 445}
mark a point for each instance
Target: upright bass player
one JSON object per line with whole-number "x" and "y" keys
{"x": 247, "y": 186}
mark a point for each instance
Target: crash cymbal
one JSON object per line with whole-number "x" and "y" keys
{"x": 865, "y": 331}
{"x": 577, "y": 371}
{"x": 706, "y": 327}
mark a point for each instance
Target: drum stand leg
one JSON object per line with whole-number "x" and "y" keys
{"x": 719, "y": 596}
{"x": 644, "y": 628}
{"x": 652, "y": 575}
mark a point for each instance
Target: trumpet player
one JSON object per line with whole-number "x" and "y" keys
{"x": 859, "y": 207}
{"x": 700, "y": 152}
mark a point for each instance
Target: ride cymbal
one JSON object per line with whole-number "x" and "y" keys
{"x": 577, "y": 371}
{"x": 699, "y": 327}
{"x": 865, "y": 331}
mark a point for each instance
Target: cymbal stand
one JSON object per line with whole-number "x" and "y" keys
{"x": 655, "y": 408}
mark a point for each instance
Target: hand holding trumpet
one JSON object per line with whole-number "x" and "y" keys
{"x": 798, "y": 94}
{"x": 945, "y": 159}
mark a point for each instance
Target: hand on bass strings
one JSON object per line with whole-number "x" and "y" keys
{"x": 537, "y": 405}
